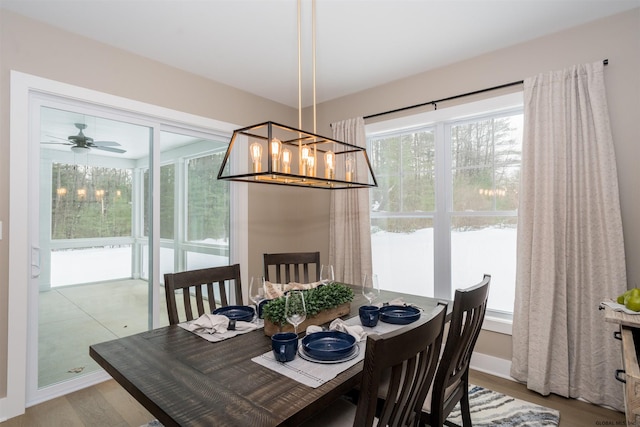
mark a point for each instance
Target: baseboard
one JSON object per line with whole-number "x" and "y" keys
{"x": 491, "y": 365}
{"x": 3, "y": 413}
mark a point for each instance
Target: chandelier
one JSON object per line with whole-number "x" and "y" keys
{"x": 272, "y": 153}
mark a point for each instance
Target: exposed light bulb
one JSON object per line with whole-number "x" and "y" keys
{"x": 275, "y": 154}
{"x": 304, "y": 160}
{"x": 256, "y": 155}
{"x": 348, "y": 165}
{"x": 286, "y": 160}
{"x": 329, "y": 164}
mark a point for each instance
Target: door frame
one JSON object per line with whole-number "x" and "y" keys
{"x": 21, "y": 240}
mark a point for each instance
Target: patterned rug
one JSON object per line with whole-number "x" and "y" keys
{"x": 490, "y": 408}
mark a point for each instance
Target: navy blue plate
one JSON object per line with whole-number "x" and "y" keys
{"x": 353, "y": 354}
{"x": 242, "y": 313}
{"x": 399, "y": 314}
{"x": 328, "y": 345}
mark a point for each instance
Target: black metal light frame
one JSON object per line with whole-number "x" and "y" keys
{"x": 237, "y": 163}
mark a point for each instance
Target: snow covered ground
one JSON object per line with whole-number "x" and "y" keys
{"x": 402, "y": 261}
{"x": 405, "y": 262}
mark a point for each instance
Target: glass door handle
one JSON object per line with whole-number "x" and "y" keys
{"x": 35, "y": 262}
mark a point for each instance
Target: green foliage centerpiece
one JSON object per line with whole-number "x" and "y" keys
{"x": 323, "y": 304}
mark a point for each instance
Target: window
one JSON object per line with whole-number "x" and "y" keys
{"x": 90, "y": 221}
{"x": 207, "y": 200}
{"x": 90, "y": 201}
{"x": 445, "y": 209}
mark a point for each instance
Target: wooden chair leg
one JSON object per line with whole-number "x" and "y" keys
{"x": 464, "y": 407}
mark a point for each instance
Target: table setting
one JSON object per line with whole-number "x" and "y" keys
{"x": 326, "y": 351}
{"x": 322, "y": 352}
{"x": 232, "y": 368}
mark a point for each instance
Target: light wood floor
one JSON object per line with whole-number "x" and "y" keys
{"x": 109, "y": 405}
{"x": 573, "y": 413}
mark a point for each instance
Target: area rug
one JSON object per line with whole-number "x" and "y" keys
{"x": 490, "y": 408}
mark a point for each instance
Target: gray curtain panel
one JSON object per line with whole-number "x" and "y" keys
{"x": 570, "y": 243}
{"x": 350, "y": 227}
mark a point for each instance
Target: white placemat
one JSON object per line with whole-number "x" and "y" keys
{"x": 219, "y": 336}
{"x": 315, "y": 374}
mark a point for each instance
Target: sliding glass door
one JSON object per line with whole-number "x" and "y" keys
{"x": 118, "y": 200}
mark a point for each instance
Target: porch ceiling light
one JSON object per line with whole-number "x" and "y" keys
{"x": 271, "y": 153}
{"x": 80, "y": 149}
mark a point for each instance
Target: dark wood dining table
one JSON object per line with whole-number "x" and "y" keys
{"x": 185, "y": 380}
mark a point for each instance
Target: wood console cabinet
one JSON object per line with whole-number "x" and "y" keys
{"x": 630, "y": 373}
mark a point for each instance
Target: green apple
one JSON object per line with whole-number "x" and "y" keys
{"x": 632, "y": 301}
{"x": 621, "y": 297}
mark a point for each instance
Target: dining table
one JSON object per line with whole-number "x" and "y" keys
{"x": 185, "y": 380}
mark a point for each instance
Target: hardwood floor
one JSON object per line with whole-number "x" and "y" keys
{"x": 573, "y": 413}
{"x": 109, "y": 405}
{"x": 105, "y": 405}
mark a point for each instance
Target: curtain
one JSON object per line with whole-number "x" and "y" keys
{"x": 349, "y": 222}
{"x": 570, "y": 252}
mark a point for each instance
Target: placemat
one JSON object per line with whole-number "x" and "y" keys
{"x": 315, "y": 374}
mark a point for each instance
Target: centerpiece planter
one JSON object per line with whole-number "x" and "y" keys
{"x": 325, "y": 316}
{"x": 324, "y": 304}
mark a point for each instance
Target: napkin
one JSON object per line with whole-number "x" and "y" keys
{"x": 217, "y": 323}
{"x": 276, "y": 290}
{"x": 303, "y": 286}
{"x": 339, "y": 325}
{"x": 618, "y": 307}
{"x": 397, "y": 301}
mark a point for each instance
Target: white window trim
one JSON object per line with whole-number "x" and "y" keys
{"x": 494, "y": 322}
{"x": 497, "y": 324}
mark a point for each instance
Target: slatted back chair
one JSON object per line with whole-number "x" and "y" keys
{"x": 406, "y": 357}
{"x": 451, "y": 384}
{"x": 291, "y": 267}
{"x": 192, "y": 283}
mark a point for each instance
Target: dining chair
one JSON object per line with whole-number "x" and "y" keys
{"x": 283, "y": 264}
{"x": 451, "y": 383}
{"x": 192, "y": 282}
{"x": 408, "y": 357}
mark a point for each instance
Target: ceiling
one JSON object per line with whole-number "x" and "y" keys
{"x": 252, "y": 44}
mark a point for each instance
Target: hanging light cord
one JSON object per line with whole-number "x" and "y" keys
{"x": 299, "y": 73}
{"x": 313, "y": 12}
{"x": 313, "y": 17}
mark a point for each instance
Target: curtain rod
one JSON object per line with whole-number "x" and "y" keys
{"x": 435, "y": 102}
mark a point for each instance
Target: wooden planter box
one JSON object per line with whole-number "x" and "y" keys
{"x": 321, "y": 318}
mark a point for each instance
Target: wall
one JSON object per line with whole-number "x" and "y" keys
{"x": 616, "y": 38}
{"x": 33, "y": 48}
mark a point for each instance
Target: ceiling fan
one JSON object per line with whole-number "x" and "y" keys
{"x": 81, "y": 143}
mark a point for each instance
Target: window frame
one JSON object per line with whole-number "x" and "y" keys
{"x": 441, "y": 121}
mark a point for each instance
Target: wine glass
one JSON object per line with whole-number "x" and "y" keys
{"x": 295, "y": 310}
{"x": 370, "y": 287}
{"x": 326, "y": 274}
{"x": 256, "y": 292}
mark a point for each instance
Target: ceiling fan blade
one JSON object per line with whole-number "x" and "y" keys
{"x": 113, "y": 150}
{"x": 105, "y": 143}
{"x": 56, "y": 137}
{"x": 55, "y": 143}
